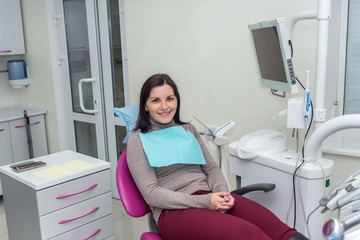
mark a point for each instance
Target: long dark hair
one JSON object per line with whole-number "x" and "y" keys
{"x": 156, "y": 80}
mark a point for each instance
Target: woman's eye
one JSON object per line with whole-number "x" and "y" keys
{"x": 170, "y": 98}
{"x": 155, "y": 100}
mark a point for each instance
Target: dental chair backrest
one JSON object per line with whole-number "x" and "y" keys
{"x": 136, "y": 206}
{"x": 131, "y": 198}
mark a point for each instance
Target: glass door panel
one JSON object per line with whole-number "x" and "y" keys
{"x": 118, "y": 77}
{"x": 120, "y": 135}
{"x": 78, "y": 52}
{"x": 85, "y": 135}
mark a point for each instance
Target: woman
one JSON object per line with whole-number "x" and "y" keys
{"x": 182, "y": 183}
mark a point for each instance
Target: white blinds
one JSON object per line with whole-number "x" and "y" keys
{"x": 352, "y": 77}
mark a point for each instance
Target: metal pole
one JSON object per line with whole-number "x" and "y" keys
{"x": 28, "y": 134}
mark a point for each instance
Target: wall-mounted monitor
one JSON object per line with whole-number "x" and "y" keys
{"x": 273, "y": 55}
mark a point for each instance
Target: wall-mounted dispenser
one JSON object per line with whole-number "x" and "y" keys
{"x": 18, "y": 74}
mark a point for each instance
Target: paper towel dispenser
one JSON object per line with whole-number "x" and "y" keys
{"x": 18, "y": 73}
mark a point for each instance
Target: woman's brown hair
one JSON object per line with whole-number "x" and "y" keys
{"x": 156, "y": 80}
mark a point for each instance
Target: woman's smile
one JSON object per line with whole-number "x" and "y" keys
{"x": 164, "y": 114}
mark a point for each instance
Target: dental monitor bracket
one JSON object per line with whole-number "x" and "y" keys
{"x": 323, "y": 15}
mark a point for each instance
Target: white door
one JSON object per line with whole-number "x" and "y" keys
{"x": 115, "y": 78}
{"x": 82, "y": 77}
{"x": 89, "y": 73}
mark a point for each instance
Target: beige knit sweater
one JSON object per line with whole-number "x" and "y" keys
{"x": 171, "y": 187}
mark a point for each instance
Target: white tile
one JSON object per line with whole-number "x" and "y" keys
{"x": 126, "y": 227}
{"x": 3, "y": 226}
{"x": 129, "y": 228}
{"x": 4, "y": 237}
{"x": 118, "y": 209}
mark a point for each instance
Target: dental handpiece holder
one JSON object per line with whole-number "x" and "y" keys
{"x": 18, "y": 73}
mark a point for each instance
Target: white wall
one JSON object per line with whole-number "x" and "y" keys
{"x": 40, "y": 93}
{"x": 6, "y": 96}
{"x": 205, "y": 47}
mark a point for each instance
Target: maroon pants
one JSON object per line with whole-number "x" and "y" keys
{"x": 246, "y": 220}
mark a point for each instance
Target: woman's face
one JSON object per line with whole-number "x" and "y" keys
{"x": 161, "y": 104}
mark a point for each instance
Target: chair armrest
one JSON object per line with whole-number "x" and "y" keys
{"x": 266, "y": 187}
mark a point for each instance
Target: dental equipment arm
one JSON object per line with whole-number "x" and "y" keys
{"x": 217, "y": 134}
{"x": 312, "y": 146}
{"x": 328, "y": 196}
{"x": 332, "y": 204}
{"x": 334, "y": 228}
{"x": 298, "y": 17}
{"x": 352, "y": 196}
{"x": 224, "y": 128}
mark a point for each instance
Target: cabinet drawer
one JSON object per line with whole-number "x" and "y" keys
{"x": 75, "y": 216}
{"x": 72, "y": 192}
{"x": 99, "y": 229}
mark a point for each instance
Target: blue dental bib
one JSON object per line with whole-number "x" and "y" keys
{"x": 172, "y": 145}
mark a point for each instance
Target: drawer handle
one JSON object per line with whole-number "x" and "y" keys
{"x": 65, "y": 196}
{"x": 95, "y": 233}
{"x": 1, "y": 130}
{"x": 70, "y": 220}
{"x": 6, "y": 51}
{"x": 21, "y": 126}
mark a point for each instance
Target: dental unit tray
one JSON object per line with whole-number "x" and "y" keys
{"x": 28, "y": 165}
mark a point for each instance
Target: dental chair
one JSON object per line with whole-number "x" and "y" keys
{"x": 136, "y": 206}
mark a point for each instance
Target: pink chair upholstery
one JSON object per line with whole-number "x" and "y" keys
{"x": 135, "y": 204}
{"x": 131, "y": 198}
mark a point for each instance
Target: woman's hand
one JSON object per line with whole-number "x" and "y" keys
{"x": 222, "y": 201}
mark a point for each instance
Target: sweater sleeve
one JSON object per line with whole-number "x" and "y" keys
{"x": 215, "y": 177}
{"x": 145, "y": 178}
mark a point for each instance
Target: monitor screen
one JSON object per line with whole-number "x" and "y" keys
{"x": 273, "y": 59}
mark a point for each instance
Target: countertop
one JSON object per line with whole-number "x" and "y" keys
{"x": 8, "y": 113}
{"x": 30, "y": 179}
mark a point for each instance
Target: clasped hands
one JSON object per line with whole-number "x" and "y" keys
{"x": 222, "y": 201}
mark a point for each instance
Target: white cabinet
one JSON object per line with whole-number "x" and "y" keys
{"x": 70, "y": 206}
{"x": 5, "y": 145}
{"x": 13, "y": 136}
{"x": 19, "y": 141}
{"x": 11, "y": 28}
{"x": 15, "y": 133}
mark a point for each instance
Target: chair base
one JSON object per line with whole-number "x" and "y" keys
{"x": 298, "y": 236}
{"x": 150, "y": 236}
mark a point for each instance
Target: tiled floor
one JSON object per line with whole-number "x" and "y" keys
{"x": 125, "y": 227}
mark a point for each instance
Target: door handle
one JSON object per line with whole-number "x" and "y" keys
{"x": 81, "y": 96}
